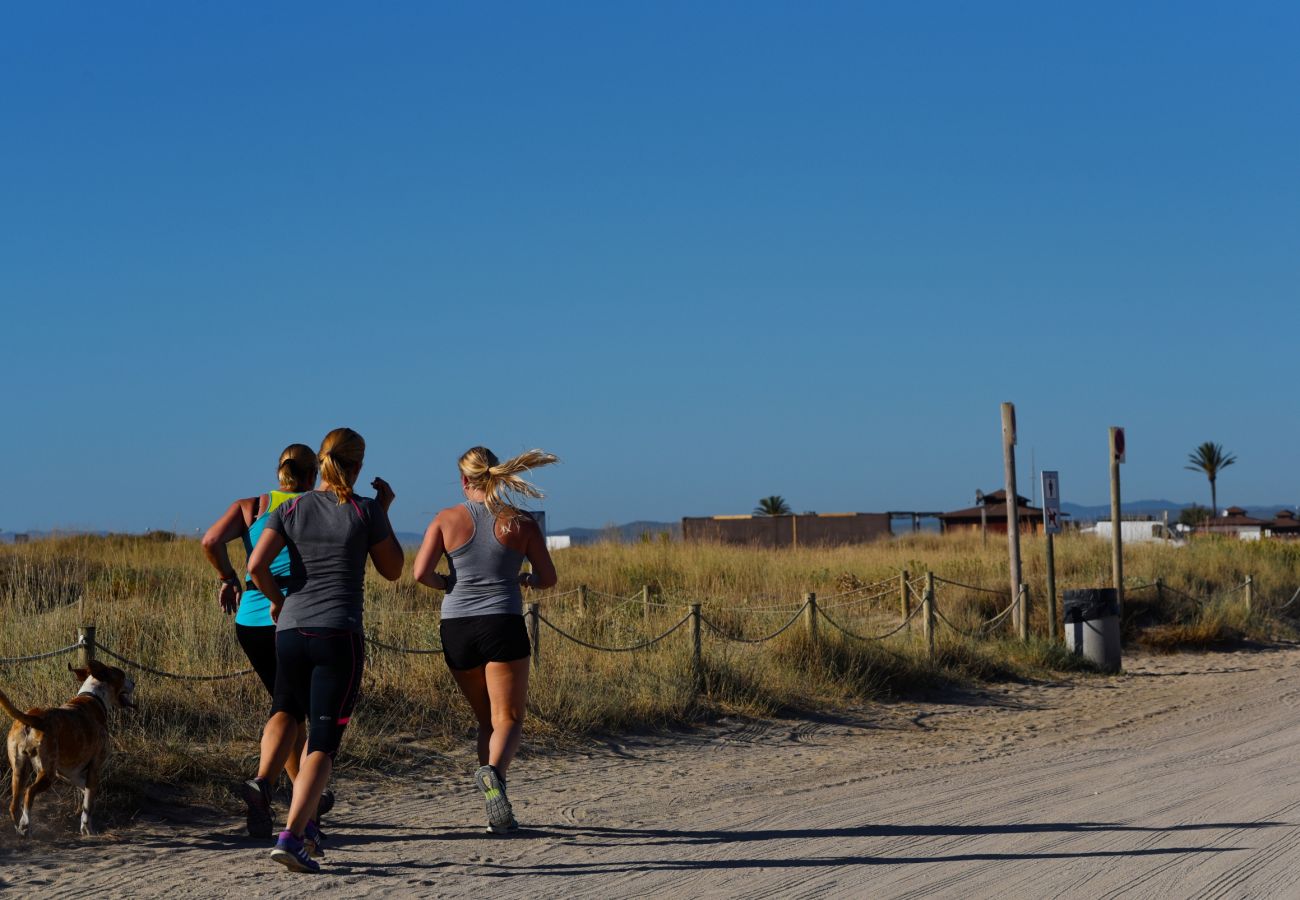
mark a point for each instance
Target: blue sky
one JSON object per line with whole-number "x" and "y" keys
{"x": 704, "y": 252}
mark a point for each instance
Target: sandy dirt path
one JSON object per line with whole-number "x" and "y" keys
{"x": 1176, "y": 779}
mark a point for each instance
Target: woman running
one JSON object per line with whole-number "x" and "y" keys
{"x": 319, "y": 646}
{"x": 253, "y": 626}
{"x": 486, "y": 540}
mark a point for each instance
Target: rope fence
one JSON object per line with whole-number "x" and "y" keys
{"x": 917, "y": 597}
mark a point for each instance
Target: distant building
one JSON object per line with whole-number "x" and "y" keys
{"x": 807, "y": 530}
{"x": 1234, "y": 521}
{"x": 558, "y": 542}
{"x": 1284, "y": 525}
{"x": 994, "y": 511}
{"x": 21, "y": 537}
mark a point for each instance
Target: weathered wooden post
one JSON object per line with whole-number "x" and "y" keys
{"x": 535, "y": 631}
{"x": 810, "y": 616}
{"x": 697, "y": 649}
{"x": 1160, "y": 592}
{"x": 1250, "y": 594}
{"x": 1013, "y": 499}
{"x": 1023, "y": 602}
{"x": 905, "y": 597}
{"x": 582, "y": 601}
{"x": 927, "y": 614}
{"x": 86, "y": 650}
{"x": 645, "y": 601}
{"x": 1116, "y": 519}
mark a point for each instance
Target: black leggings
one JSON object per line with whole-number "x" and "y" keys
{"x": 318, "y": 673}
{"x": 258, "y": 642}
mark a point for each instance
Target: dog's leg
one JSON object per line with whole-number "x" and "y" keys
{"x": 18, "y": 766}
{"x": 88, "y": 796}
{"x": 44, "y": 781}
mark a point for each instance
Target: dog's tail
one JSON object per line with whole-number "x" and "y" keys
{"x": 29, "y": 721}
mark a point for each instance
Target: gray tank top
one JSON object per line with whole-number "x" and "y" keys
{"x": 484, "y": 573}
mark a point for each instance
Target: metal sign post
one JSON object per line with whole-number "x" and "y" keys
{"x": 1051, "y": 527}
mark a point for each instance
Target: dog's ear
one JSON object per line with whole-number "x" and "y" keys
{"x": 82, "y": 674}
{"x": 98, "y": 669}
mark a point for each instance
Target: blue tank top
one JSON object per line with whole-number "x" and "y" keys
{"x": 484, "y": 572}
{"x": 254, "y": 606}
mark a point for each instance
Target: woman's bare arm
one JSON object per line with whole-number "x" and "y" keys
{"x": 388, "y": 558}
{"x": 429, "y": 555}
{"x": 230, "y": 526}
{"x": 539, "y": 557}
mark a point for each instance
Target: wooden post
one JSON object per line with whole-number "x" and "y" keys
{"x": 86, "y": 652}
{"x": 1013, "y": 502}
{"x": 645, "y": 601}
{"x": 984, "y": 524}
{"x": 1116, "y": 540}
{"x": 1023, "y": 604}
{"x": 697, "y": 649}
{"x": 1250, "y": 594}
{"x": 927, "y": 614}
{"x": 535, "y": 631}
{"x": 905, "y": 597}
{"x": 810, "y": 616}
{"x": 1051, "y": 587}
{"x": 1160, "y": 592}
{"x": 582, "y": 601}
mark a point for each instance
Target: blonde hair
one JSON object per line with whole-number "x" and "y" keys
{"x": 341, "y": 454}
{"x": 499, "y": 480}
{"x": 297, "y": 468}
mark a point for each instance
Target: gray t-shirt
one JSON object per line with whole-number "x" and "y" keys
{"x": 328, "y": 545}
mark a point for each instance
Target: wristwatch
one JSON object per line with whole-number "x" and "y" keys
{"x": 229, "y": 580}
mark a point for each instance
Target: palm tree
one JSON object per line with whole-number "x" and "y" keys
{"x": 1210, "y": 459}
{"x": 774, "y": 505}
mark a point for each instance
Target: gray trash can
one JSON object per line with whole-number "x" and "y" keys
{"x": 1092, "y": 626}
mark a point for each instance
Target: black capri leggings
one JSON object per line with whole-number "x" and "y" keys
{"x": 318, "y": 673}
{"x": 258, "y": 642}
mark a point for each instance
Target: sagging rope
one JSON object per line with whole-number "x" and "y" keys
{"x": 8, "y": 660}
{"x": 178, "y": 676}
{"x": 742, "y": 640}
{"x": 577, "y": 640}
{"x": 969, "y": 587}
{"x": 412, "y": 650}
{"x": 881, "y": 637}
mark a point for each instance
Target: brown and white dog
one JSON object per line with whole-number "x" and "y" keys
{"x": 70, "y": 741}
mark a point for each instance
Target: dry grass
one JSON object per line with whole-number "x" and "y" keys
{"x": 153, "y": 599}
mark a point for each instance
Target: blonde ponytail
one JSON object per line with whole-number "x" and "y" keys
{"x": 499, "y": 481}
{"x": 297, "y": 469}
{"x": 341, "y": 455}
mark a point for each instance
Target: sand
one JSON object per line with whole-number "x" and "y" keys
{"x": 1174, "y": 779}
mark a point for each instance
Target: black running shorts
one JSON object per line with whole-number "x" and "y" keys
{"x": 472, "y": 641}
{"x": 318, "y": 673}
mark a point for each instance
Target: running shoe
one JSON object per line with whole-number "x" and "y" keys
{"x": 314, "y": 839}
{"x": 292, "y": 853}
{"x": 501, "y": 817}
{"x": 257, "y": 794}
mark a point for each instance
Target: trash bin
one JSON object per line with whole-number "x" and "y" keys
{"x": 1092, "y": 626}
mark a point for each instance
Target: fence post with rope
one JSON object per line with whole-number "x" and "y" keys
{"x": 645, "y": 601}
{"x": 927, "y": 617}
{"x": 582, "y": 601}
{"x": 697, "y": 649}
{"x": 85, "y": 645}
{"x": 535, "y": 632}
{"x": 810, "y": 616}
{"x": 1024, "y": 611}
{"x": 905, "y": 597}
{"x": 1250, "y": 594}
